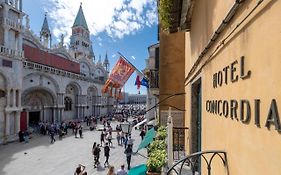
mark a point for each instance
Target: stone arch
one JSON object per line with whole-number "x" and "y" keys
{"x": 72, "y": 91}
{"x": 44, "y": 75}
{"x": 40, "y": 104}
{"x": 76, "y": 87}
{"x": 48, "y": 96}
{"x": 85, "y": 70}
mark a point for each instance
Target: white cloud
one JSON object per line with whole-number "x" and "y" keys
{"x": 133, "y": 57}
{"x": 115, "y": 17}
{"x": 113, "y": 56}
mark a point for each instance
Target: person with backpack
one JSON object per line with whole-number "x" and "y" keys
{"x": 106, "y": 154}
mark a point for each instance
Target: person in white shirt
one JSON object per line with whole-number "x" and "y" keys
{"x": 122, "y": 171}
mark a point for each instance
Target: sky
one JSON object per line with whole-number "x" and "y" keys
{"x": 125, "y": 26}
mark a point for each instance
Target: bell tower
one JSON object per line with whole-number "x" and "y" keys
{"x": 80, "y": 42}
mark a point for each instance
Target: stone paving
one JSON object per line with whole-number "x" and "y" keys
{"x": 39, "y": 157}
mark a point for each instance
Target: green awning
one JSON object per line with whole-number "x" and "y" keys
{"x": 138, "y": 170}
{"x": 148, "y": 138}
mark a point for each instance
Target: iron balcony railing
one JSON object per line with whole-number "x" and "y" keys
{"x": 192, "y": 162}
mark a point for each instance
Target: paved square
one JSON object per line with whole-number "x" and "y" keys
{"x": 39, "y": 157}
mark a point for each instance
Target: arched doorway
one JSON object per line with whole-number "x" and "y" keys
{"x": 39, "y": 104}
{"x": 91, "y": 101}
{"x": 71, "y": 101}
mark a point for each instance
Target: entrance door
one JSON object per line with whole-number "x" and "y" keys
{"x": 34, "y": 118}
{"x": 196, "y": 123}
{"x": 23, "y": 121}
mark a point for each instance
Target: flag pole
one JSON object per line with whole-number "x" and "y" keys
{"x": 132, "y": 65}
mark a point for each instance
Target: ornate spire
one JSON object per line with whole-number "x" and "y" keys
{"x": 105, "y": 59}
{"x": 45, "y": 27}
{"x": 80, "y": 19}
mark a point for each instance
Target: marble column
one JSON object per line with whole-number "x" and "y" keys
{"x": 19, "y": 98}
{"x": 8, "y": 98}
{"x": 14, "y": 98}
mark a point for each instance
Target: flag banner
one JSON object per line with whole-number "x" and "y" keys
{"x": 141, "y": 80}
{"x": 121, "y": 72}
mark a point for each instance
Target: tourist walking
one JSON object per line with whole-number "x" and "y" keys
{"x": 111, "y": 171}
{"x": 97, "y": 155}
{"x": 142, "y": 134}
{"x": 128, "y": 153}
{"x": 122, "y": 171}
{"x": 106, "y": 154}
{"x": 52, "y": 135}
{"x": 102, "y": 135}
{"x": 125, "y": 141}
{"x": 130, "y": 142}
{"x": 94, "y": 146}
{"x": 80, "y": 131}
{"x": 109, "y": 138}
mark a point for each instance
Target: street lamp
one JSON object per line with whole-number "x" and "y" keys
{"x": 126, "y": 127}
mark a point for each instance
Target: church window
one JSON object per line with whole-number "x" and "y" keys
{"x": 31, "y": 80}
{"x": 49, "y": 82}
{"x": 67, "y": 104}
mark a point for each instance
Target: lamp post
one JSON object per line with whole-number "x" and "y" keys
{"x": 126, "y": 127}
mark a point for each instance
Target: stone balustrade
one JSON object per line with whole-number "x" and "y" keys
{"x": 52, "y": 70}
{"x": 10, "y": 52}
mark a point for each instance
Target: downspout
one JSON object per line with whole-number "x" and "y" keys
{"x": 215, "y": 36}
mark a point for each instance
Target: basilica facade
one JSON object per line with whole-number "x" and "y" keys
{"x": 40, "y": 81}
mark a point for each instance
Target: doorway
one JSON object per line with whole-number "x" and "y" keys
{"x": 34, "y": 118}
{"x": 196, "y": 119}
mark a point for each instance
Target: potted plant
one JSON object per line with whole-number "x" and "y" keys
{"x": 156, "y": 161}
{"x": 157, "y": 153}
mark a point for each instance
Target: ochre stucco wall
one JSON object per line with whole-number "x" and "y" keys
{"x": 250, "y": 149}
{"x": 171, "y": 69}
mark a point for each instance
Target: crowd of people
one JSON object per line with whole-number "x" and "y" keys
{"x": 104, "y": 145}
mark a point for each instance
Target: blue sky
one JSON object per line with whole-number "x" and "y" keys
{"x": 125, "y": 26}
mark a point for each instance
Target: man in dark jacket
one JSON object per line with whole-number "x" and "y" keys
{"x": 106, "y": 154}
{"x": 129, "y": 152}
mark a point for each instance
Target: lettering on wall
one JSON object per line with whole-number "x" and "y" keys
{"x": 240, "y": 110}
{"x": 229, "y": 73}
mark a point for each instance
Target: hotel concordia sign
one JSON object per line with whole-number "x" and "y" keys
{"x": 240, "y": 110}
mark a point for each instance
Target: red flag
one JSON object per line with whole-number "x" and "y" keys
{"x": 119, "y": 75}
{"x": 121, "y": 72}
